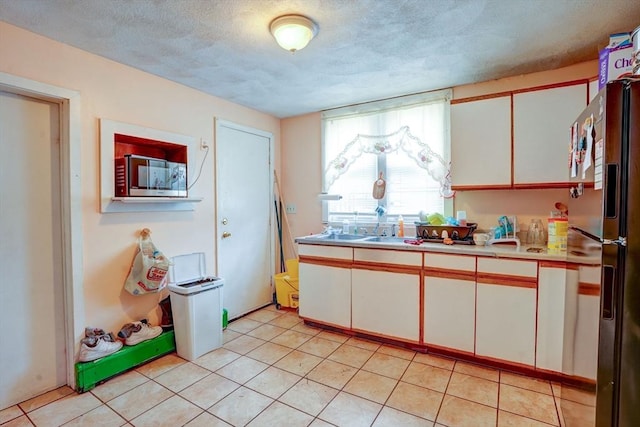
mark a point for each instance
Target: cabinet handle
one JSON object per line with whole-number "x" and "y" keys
{"x": 226, "y": 234}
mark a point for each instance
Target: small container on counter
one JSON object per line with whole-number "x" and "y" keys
{"x": 461, "y": 216}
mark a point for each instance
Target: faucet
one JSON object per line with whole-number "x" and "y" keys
{"x": 328, "y": 230}
{"x": 393, "y": 230}
{"x": 355, "y": 221}
{"x": 384, "y": 232}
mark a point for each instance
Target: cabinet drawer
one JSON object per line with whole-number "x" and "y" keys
{"x": 508, "y": 267}
{"x": 335, "y": 252}
{"x": 388, "y": 257}
{"x": 450, "y": 262}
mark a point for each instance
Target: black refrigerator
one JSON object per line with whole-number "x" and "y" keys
{"x": 605, "y": 142}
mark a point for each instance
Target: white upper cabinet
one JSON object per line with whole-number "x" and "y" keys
{"x": 541, "y": 123}
{"x": 481, "y": 142}
{"x": 593, "y": 89}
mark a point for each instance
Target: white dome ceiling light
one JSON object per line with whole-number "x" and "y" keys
{"x": 293, "y": 32}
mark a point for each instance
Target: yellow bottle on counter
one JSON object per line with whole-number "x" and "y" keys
{"x": 400, "y": 226}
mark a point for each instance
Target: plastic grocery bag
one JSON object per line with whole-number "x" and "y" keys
{"x": 149, "y": 269}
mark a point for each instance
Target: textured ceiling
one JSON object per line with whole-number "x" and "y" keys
{"x": 365, "y": 49}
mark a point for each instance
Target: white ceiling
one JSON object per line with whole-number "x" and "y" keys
{"x": 365, "y": 49}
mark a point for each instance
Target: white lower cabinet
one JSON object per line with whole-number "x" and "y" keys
{"x": 386, "y": 303}
{"x": 585, "y": 354}
{"x": 506, "y": 310}
{"x": 450, "y": 301}
{"x": 325, "y": 290}
{"x": 325, "y": 294}
{"x": 557, "y": 287}
{"x": 386, "y": 293}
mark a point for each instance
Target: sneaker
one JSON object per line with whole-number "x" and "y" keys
{"x": 126, "y": 330}
{"x": 97, "y": 332}
{"x": 94, "y": 348}
{"x": 142, "y": 332}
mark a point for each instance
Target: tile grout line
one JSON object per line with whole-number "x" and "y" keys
{"x": 305, "y": 376}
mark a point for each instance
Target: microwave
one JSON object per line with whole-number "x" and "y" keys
{"x": 146, "y": 176}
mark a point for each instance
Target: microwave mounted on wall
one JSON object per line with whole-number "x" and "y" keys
{"x": 141, "y": 176}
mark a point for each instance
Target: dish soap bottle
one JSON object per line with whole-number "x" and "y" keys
{"x": 400, "y": 226}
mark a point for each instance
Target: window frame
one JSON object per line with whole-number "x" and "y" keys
{"x": 370, "y": 219}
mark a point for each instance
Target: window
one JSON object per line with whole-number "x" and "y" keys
{"x": 406, "y": 139}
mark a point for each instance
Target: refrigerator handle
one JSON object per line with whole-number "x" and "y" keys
{"x": 620, "y": 241}
{"x": 608, "y": 283}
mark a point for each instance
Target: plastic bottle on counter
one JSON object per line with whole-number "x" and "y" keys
{"x": 345, "y": 226}
{"x": 400, "y": 226}
{"x": 461, "y": 216}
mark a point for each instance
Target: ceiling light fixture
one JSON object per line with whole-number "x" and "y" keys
{"x": 293, "y": 32}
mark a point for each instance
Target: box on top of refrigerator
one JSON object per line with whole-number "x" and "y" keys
{"x": 616, "y": 59}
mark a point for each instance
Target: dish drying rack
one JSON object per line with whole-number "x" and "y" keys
{"x": 509, "y": 237}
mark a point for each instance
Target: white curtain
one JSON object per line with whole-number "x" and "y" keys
{"x": 406, "y": 138}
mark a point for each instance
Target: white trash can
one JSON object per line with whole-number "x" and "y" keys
{"x": 196, "y": 305}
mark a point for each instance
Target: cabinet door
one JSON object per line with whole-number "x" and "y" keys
{"x": 506, "y": 310}
{"x": 585, "y": 355}
{"x": 554, "y": 301}
{"x": 386, "y": 303}
{"x": 450, "y": 301}
{"x": 593, "y": 89}
{"x": 541, "y": 123}
{"x": 481, "y": 142}
{"x": 325, "y": 294}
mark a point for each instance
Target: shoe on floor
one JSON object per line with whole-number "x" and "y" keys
{"x": 167, "y": 315}
{"x": 127, "y": 329}
{"x": 142, "y": 331}
{"x": 94, "y": 348}
{"x": 97, "y": 332}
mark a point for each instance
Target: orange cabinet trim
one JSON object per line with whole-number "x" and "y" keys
{"x": 447, "y": 351}
{"x": 383, "y": 336}
{"x": 480, "y": 97}
{"x": 543, "y": 185}
{"x": 506, "y": 280}
{"x": 589, "y": 289}
{"x": 553, "y": 86}
{"x": 457, "y": 354}
{"x": 583, "y": 382}
{"x": 558, "y": 264}
{"x": 329, "y": 262}
{"x": 449, "y": 274}
{"x": 481, "y": 187}
{"x": 391, "y": 268}
{"x": 327, "y": 325}
{"x": 515, "y": 91}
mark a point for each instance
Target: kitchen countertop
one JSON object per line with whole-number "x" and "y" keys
{"x": 500, "y": 250}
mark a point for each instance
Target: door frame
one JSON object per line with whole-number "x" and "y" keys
{"x": 217, "y": 124}
{"x": 71, "y": 202}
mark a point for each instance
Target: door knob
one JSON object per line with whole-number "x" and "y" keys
{"x": 226, "y": 234}
{"x": 225, "y": 221}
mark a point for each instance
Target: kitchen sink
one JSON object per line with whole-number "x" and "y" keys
{"x": 389, "y": 239}
{"x": 338, "y": 237}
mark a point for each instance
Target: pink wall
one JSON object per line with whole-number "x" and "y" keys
{"x": 301, "y": 162}
{"x": 117, "y": 92}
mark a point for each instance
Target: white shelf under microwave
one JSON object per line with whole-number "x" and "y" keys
{"x": 157, "y": 199}
{"x": 150, "y": 204}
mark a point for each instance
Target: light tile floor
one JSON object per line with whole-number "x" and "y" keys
{"x": 273, "y": 370}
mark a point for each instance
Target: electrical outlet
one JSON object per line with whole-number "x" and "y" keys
{"x": 291, "y": 208}
{"x": 203, "y": 144}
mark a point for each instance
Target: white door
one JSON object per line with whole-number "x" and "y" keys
{"x": 244, "y": 189}
{"x": 32, "y": 333}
